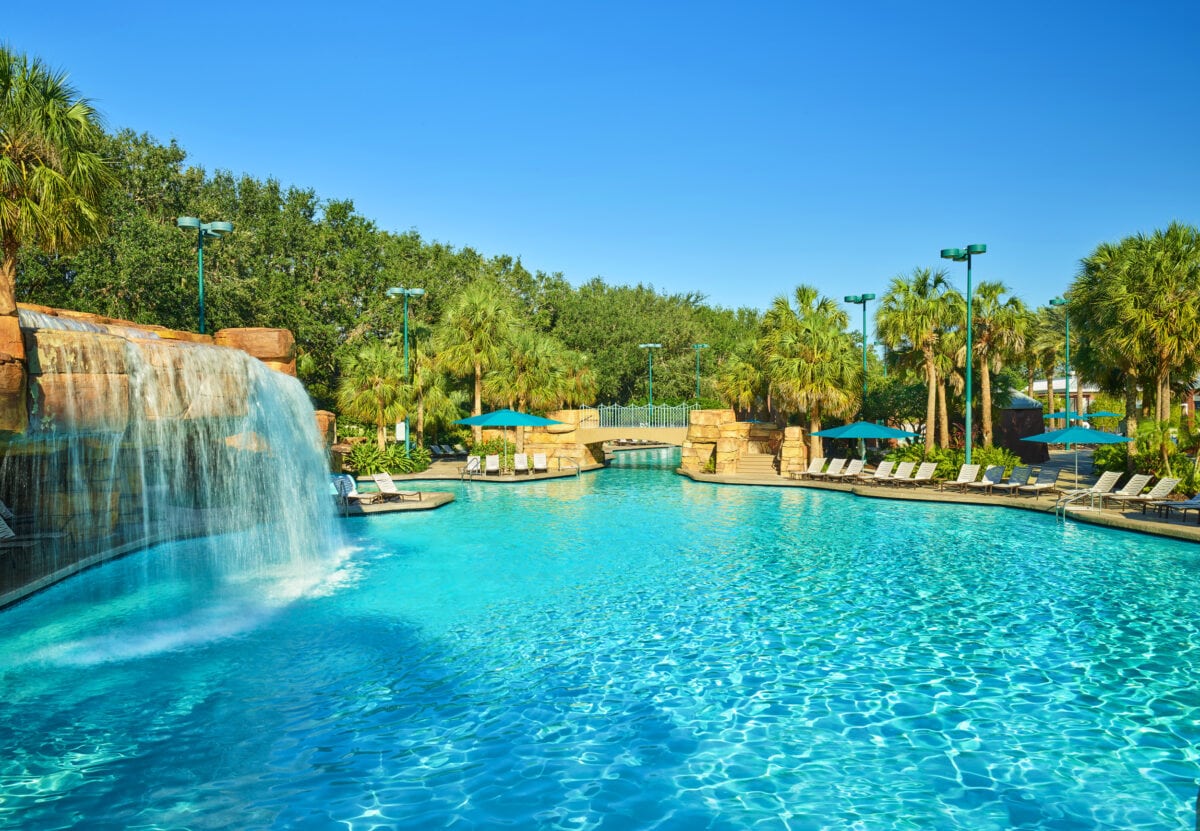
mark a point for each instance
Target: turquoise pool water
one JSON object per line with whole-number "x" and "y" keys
{"x": 625, "y": 650}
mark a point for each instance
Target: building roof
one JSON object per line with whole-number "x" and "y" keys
{"x": 1021, "y": 401}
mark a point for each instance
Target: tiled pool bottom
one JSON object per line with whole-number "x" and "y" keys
{"x": 628, "y": 650}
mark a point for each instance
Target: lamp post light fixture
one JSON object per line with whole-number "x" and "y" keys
{"x": 698, "y": 347}
{"x": 1059, "y": 301}
{"x": 650, "y": 347}
{"x": 405, "y": 293}
{"x": 964, "y": 255}
{"x": 204, "y": 230}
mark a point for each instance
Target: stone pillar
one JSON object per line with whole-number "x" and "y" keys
{"x": 793, "y": 452}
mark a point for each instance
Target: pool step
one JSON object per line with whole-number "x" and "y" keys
{"x": 757, "y": 464}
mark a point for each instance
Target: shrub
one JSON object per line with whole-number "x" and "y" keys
{"x": 493, "y": 447}
{"x": 949, "y": 460}
{"x": 364, "y": 458}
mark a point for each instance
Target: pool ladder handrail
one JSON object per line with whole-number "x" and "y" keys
{"x": 1060, "y": 506}
{"x": 570, "y": 463}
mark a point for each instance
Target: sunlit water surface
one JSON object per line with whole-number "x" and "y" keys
{"x": 624, "y": 650}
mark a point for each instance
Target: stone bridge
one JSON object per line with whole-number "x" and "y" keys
{"x": 660, "y": 435}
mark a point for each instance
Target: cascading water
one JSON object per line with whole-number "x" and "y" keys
{"x": 202, "y": 452}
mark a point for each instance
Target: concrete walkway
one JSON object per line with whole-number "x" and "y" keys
{"x": 1130, "y": 520}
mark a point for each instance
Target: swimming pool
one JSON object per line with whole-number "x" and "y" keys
{"x": 628, "y": 649}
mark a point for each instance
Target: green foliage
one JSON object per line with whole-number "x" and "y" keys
{"x": 493, "y": 447}
{"x": 949, "y": 460}
{"x": 398, "y": 460}
{"x": 364, "y": 458}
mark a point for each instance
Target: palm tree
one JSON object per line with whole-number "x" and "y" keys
{"x": 1046, "y": 343}
{"x": 810, "y": 362}
{"x": 372, "y": 388}
{"x": 474, "y": 334}
{"x": 52, "y": 179}
{"x": 914, "y": 315}
{"x": 738, "y": 382}
{"x": 428, "y": 391}
{"x": 999, "y": 334}
{"x": 1138, "y": 304}
{"x": 579, "y": 383}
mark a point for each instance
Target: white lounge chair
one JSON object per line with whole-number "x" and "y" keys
{"x": 923, "y": 476}
{"x": 966, "y": 475}
{"x": 1161, "y": 489}
{"x": 882, "y": 471}
{"x": 539, "y": 463}
{"x": 1046, "y": 480}
{"x": 834, "y": 469}
{"x": 387, "y": 489}
{"x": 850, "y": 471}
{"x": 1131, "y": 488}
{"x": 1017, "y": 479}
{"x": 521, "y": 463}
{"x": 491, "y": 464}
{"x": 904, "y": 472}
{"x": 814, "y": 466}
{"x": 994, "y": 475}
{"x": 1103, "y": 485}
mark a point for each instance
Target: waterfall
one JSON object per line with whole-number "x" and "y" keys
{"x": 137, "y": 440}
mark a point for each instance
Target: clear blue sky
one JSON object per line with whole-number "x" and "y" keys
{"x": 732, "y": 149}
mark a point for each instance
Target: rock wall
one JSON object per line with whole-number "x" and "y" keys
{"x": 717, "y": 438}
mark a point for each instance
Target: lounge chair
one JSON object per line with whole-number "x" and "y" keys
{"x": 1046, "y": 480}
{"x": 388, "y": 491}
{"x": 471, "y": 468}
{"x": 814, "y": 466}
{"x": 1131, "y": 488}
{"x": 459, "y": 450}
{"x": 882, "y": 471}
{"x": 992, "y": 475}
{"x": 491, "y": 464}
{"x": 435, "y": 451}
{"x": 1165, "y": 507}
{"x": 448, "y": 451}
{"x": 1019, "y": 478}
{"x": 521, "y": 463}
{"x": 966, "y": 475}
{"x": 923, "y": 476}
{"x": 850, "y": 471}
{"x": 904, "y": 472}
{"x": 1103, "y": 485}
{"x": 539, "y": 463}
{"x": 1161, "y": 489}
{"x": 834, "y": 469}
{"x": 347, "y": 492}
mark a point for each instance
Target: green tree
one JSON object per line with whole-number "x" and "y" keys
{"x": 998, "y": 336}
{"x": 474, "y": 334}
{"x": 809, "y": 359}
{"x": 372, "y": 389}
{"x": 52, "y": 178}
{"x": 913, "y": 315}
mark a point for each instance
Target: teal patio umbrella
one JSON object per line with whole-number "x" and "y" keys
{"x": 864, "y": 430}
{"x": 1063, "y": 414}
{"x": 506, "y": 419}
{"x": 1077, "y": 436}
{"x": 1104, "y": 414}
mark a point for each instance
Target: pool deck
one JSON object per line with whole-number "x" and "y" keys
{"x": 428, "y": 501}
{"x": 1130, "y": 520}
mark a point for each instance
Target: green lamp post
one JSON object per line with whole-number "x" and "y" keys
{"x": 698, "y": 347}
{"x": 405, "y": 293}
{"x": 204, "y": 230}
{"x": 964, "y": 255}
{"x": 862, "y": 299}
{"x": 650, "y": 347}
{"x": 1059, "y": 301}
